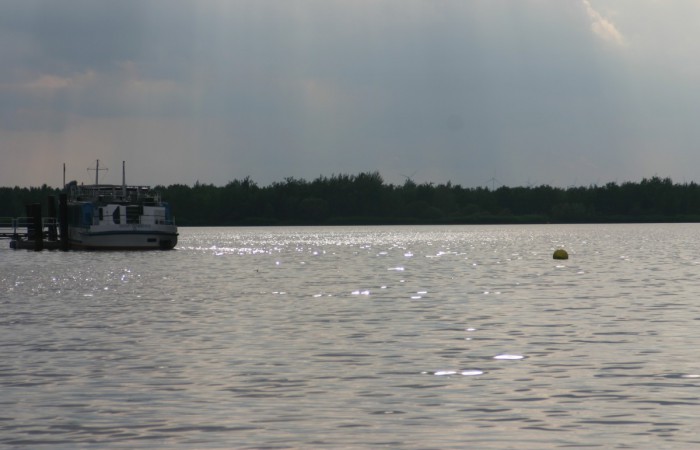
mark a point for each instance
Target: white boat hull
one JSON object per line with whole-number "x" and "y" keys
{"x": 128, "y": 237}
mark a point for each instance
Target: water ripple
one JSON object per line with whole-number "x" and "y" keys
{"x": 342, "y": 337}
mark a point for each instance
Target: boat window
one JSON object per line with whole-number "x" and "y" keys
{"x": 101, "y": 214}
{"x": 133, "y": 213}
{"x": 116, "y": 216}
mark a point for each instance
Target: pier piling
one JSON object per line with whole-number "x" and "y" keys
{"x": 35, "y": 227}
{"x": 52, "y": 229}
{"x": 63, "y": 220}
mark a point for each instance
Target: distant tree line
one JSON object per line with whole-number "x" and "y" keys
{"x": 366, "y": 199}
{"x": 13, "y": 201}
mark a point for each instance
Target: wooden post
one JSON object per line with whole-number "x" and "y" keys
{"x": 29, "y": 213}
{"x": 53, "y": 232}
{"x": 63, "y": 220}
{"x": 38, "y": 226}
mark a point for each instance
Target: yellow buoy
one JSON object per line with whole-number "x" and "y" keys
{"x": 560, "y": 253}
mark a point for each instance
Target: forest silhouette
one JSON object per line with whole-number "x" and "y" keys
{"x": 366, "y": 199}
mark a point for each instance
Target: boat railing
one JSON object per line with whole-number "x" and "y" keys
{"x": 140, "y": 219}
{"x": 113, "y": 193}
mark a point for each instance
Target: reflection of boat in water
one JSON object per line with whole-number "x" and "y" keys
{"x": 113, "y": 217}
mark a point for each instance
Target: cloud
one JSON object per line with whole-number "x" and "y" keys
{"x": 602, "y": 27}
{"x": 299, "y": 88}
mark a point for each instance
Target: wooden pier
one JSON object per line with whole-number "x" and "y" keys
{"x": 35, "y": 232}
{"x": 23, "y": 233}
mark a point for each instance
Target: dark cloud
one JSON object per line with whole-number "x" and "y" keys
{"x": 447, "y": 89}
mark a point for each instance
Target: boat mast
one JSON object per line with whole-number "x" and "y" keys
{"x": 124, "y": 179}
{"x": 97, "y": 172}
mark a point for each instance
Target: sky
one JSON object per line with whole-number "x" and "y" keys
{"x": 475, "y": 92}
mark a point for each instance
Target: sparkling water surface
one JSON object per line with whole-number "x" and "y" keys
{"x": 357, "y": 337}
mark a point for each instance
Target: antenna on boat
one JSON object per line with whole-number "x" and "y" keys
{"x": 124, "y": 178}
{"x": 64, "y": 175}
{"x": 97, "y": 172}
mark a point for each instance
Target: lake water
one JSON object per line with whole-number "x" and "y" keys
{"x": 358, "y": 337}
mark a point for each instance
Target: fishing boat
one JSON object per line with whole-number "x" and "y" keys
{"x": 114, "y": 217}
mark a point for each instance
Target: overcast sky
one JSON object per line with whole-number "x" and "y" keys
{"x": 529, "y": 92}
